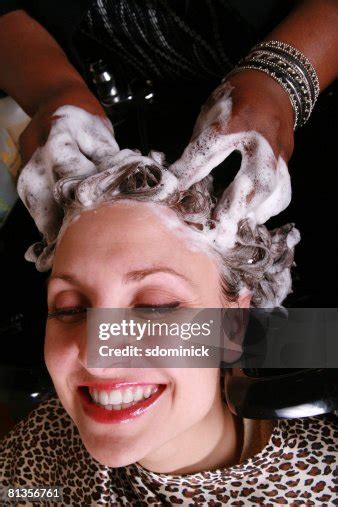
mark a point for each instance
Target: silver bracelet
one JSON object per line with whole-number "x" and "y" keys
{"x": 292, "y": 96}
{"x": 298, "y": 58}
{"x": 291, "y": 69}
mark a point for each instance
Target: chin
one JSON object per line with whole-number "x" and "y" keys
{"x": 112, "y": 453}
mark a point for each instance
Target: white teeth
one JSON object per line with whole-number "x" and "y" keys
{"x": 115, "y": 397}
{"x": 103, "y": 398}
{"x": 118, "y": 399}
{"x": 128, "y": 396}
{"x": 138, "y": 395}
{"x": 147, "y": 392}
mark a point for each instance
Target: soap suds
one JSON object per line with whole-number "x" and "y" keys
{"x": 81, "y": 160}
{"x": 76, "y": 138}
{"x": 262, "y": 186}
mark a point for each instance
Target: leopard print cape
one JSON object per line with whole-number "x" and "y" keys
{"x": 298, "y": 466}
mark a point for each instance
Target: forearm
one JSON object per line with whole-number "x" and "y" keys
{"x": 35, "y": 70}
{"x": 312, "y": 27}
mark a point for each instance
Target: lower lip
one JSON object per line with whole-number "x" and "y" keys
{"x": 102, "y": 415}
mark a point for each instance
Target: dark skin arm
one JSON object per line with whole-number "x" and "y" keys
{"x": 40, "y": 77}
{"x": 258, "y": 102}
{"x": 312, "y": 27}
{"x": 36, "y": 68}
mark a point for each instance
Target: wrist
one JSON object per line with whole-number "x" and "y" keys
{"x": 74, "y": 94}
{"x": 36, "y": 133}
{"x": 261, "y": 104}
{"x": 261, "y": 89}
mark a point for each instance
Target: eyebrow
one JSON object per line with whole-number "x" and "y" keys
{"x": 140, "y": 274}
{"x": 131, "y": 276}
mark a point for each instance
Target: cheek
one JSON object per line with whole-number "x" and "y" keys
{"x": 59, "y": 353}
{"x": 196, "y": 390}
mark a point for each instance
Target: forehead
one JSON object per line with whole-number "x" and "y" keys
{"x": 131, "y": 230}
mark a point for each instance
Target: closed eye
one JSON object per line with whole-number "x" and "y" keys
{"x": 150, "y": 311}
{"x": 73, "y": 314}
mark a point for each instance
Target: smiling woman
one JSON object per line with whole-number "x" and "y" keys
{"x": 129, "y": 237}
{"x": 123, "y": 230}
{"x": 121, "y": 269}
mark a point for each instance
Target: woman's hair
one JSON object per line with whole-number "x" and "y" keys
{"x": 260, "y": 260}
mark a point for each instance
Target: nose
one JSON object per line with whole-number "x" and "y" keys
{"x": 88, "y": 345}
{"x": 86, "y": 361}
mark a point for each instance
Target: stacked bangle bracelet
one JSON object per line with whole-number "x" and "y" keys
{"x": 291, "y": 69}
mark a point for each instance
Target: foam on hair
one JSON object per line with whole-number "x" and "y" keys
{"x": 253, "y": 258}
{"x": 81, "y": 167}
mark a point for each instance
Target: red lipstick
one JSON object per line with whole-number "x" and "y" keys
{"x": 102, "y": 415}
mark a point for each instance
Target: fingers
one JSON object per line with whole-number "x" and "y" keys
{"x": 203, "y": 154}
{"x": 77, "y": 142}
{"x": 93, "y": 134}
{"x": 35, "y": 190}
{"x": 260, "y": 190}
{"x": 63, "y": 157}
{"x": 216, "y": 110}
{"x": 60, "y": 158}
{"x": 208, "y": 146}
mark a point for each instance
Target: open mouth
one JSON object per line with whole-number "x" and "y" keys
{"x": 119, "y": 399}
{"x": 105, "y": 404}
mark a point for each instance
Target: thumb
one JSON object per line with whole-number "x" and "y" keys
{"x": 202, "y": 155}
{"x": 260, "y": 190}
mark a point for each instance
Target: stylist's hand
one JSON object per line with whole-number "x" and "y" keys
{"x": 71, "y": 141}
{"x": 36, "y": 134}
{"x": 257, "y": 104}
{"x": 254, "y": 116}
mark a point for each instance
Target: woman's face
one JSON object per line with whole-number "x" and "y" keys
{"x": 123, "y": 256}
